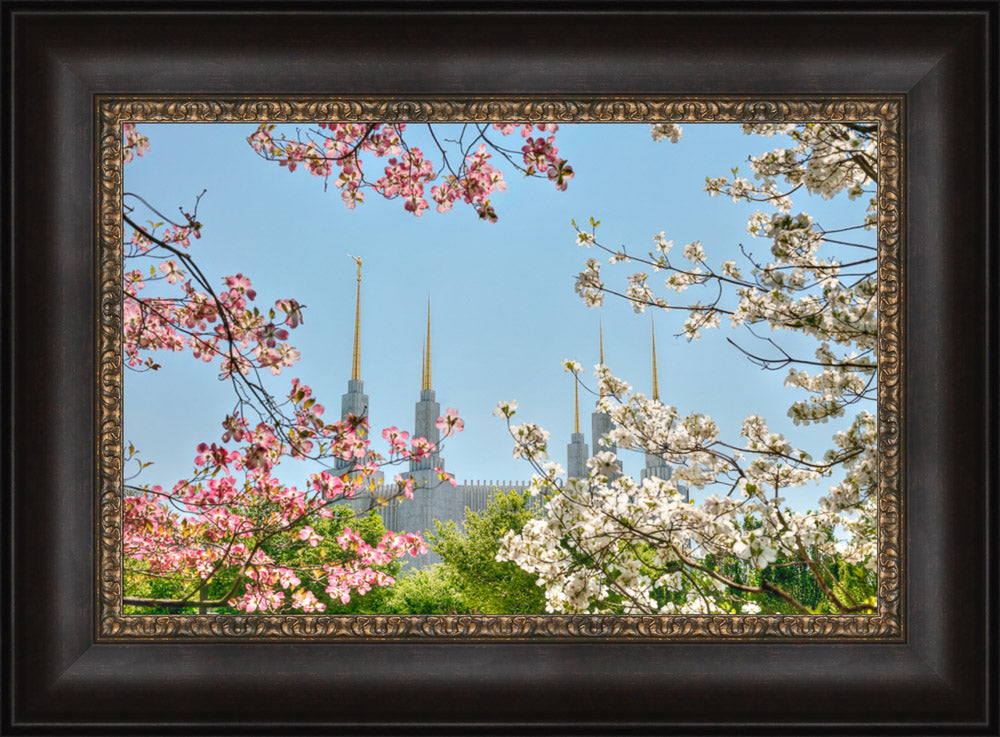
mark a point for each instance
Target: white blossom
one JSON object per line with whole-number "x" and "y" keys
{"x": 589, "y": 285}
{"x": 505, "y": 409}
{"x": 670, "y": 131}
{"x": 694, "y": 253}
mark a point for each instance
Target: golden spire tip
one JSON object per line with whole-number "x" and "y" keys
{"x": 656, "y": 381}
{"x": 600, "y": 340}
{"x": 576, "y": 405}
{"x": 356, "y": 358}
{"x": 425, "y": 381}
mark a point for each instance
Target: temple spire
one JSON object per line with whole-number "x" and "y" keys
{"x": 576, "y": 451}
{"x": 354, "y": 402}
{"x": 425, "y": 378}
{"x": 600, "y": 422}
{"x": 600, "y": 342}
{"x": 426, "y": 414}
{"x": 656, "y": 465}
{"x": 656, "y": 381}
{"x": 576, "y": 404}
{"x": 356, "y": 358}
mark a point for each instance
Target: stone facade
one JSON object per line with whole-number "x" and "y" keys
{"x": 433, "y": 500}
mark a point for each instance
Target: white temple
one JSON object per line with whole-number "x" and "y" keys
{"x": 438, "y": 500}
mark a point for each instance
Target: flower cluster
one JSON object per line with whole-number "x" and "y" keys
{"x": 450, "y": 423}
{"x": 669, "y": 131}
{"x": 479, "y": 180}
{"x": 341, "y": 148}
{"x": 133, "y": 144}
{"x": 220, "y": 323}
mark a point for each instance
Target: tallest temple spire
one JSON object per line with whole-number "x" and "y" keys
{"x": 427, "y": 410}
{"x": 354, "y": 402}
{"x": 576, "y": 451}
{"x": 656, "y": 380}
{"x": 656, "y": 465}
{"x": 576, "y": 405}
{"x": 600, "y": 422}
{"x": 356, "y": 358}
{"x": 600, "y": 343}
{"x": 425, "y": 376}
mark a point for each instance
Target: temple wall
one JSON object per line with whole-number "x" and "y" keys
{"x": 443, "y": 502}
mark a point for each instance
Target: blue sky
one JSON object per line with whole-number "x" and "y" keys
{"x": 504, "y": 312}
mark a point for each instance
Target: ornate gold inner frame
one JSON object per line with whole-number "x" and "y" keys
{"x": 887, "y": 624}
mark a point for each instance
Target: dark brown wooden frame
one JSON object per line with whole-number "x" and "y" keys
{"x": 941, "y": 59}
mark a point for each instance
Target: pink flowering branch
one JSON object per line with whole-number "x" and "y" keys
{"x": 213, "y": 524}
{"x": 215, "y": 527}
{"x": 340, "y": 149}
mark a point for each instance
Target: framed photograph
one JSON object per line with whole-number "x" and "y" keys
{"x": 203, "y": 541}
